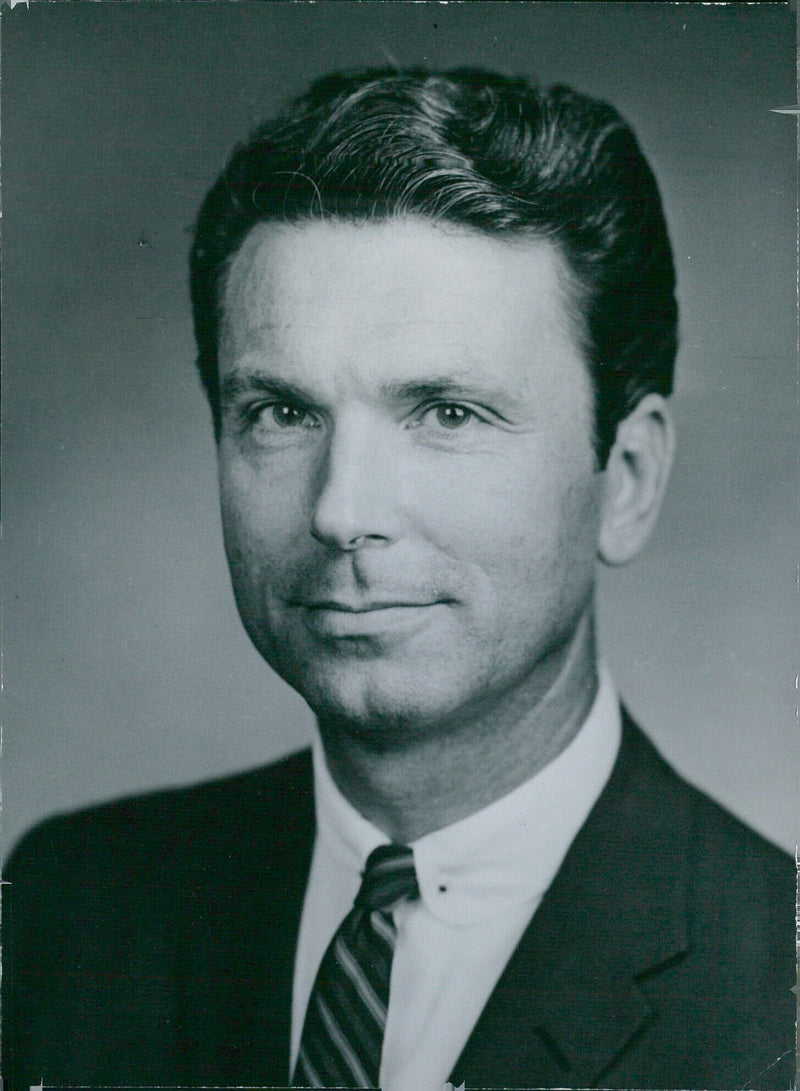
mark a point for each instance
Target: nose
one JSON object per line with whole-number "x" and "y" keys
{"x": 358, "y": 501}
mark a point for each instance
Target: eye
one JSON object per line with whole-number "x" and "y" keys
{"x": 286, "y": 415}
{"x": 451, "y": 415}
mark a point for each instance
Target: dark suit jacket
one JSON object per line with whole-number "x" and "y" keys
{"x": 151, "y": 941}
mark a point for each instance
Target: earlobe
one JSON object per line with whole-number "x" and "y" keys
{"x": 636, "y": 478}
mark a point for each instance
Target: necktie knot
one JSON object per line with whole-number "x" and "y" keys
{"x": 388, "y": 877}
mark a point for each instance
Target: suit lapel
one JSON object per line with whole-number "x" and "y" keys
{"x": 568, "y": 1004}
{"x": 242, "y": 931}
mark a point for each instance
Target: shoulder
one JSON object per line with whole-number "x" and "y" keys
{"x": 160, "y": 834}
{"x": 739, "y": 888}
{"x": 743, "y": 887}
{"x": 110, "y": 911}
{"x": 713, "y": 832}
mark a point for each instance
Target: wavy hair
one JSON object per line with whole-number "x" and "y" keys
{"x": 481, "y": 150}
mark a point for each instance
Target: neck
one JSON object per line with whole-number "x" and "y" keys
{"x": 439, "y": 778}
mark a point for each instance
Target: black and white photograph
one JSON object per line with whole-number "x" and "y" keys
{"x": 400, "y": 544}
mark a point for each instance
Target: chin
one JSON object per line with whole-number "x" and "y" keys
{"x": 376, "y": 703}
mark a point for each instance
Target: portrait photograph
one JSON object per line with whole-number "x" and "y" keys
{"x": 400, "y": 545}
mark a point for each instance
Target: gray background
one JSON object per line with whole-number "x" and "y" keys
{"x": 125, "y": 664}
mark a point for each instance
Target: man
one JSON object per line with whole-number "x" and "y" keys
{"x": 436, "y": 323}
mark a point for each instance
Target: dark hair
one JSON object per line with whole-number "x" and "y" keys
{"x": 478, "y": 149}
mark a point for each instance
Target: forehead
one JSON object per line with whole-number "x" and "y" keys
{"x": 399, "y": 293}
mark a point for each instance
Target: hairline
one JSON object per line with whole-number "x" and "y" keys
{"x": 573, "y": 292}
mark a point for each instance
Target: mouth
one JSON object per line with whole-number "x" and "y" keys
{"x": 338, "y": 619}
{"x": 365, "y": 607}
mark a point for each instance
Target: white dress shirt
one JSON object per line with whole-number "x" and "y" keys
{"x": 481, "y": 880}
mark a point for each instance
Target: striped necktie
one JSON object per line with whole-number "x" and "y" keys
{"x": 346, "y": 1015}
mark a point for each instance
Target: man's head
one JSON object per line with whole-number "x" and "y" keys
{"x": 475, "y": 149}
{"x": 425, "y": 307}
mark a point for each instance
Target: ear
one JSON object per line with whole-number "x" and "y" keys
{"x": 636, "y": 477}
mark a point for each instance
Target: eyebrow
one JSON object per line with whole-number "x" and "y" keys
{"x": 238, "y": 383}
{"x": 440, "y": 387}
{"x": 452, "y": 387}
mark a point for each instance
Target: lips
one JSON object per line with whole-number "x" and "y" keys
{"x": 364, "y": 607}
{"x": 336, "y": 619}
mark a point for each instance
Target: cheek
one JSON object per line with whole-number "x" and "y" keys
{"x": 499, "y": 503}
{"x": 262, "y": 493}
{"x": 527, "y": 539}
{"x": 260, "y": 518}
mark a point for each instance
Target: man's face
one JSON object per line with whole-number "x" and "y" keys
{"x": 409, "y": 493}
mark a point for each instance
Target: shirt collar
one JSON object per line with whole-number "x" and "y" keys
{"x": 507, "y": 853}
